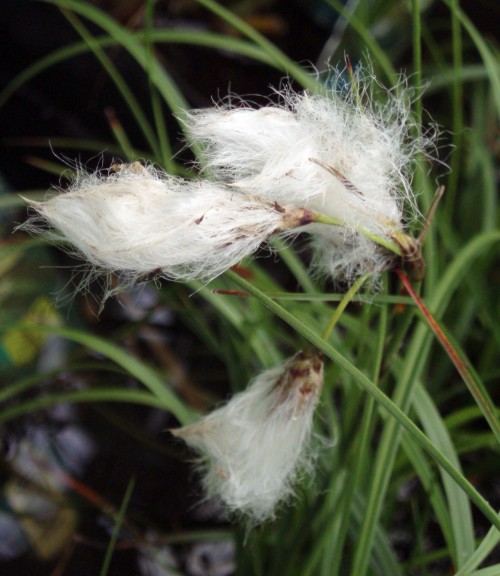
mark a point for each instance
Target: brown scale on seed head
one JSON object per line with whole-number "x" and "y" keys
{"x": 301, "y": 383}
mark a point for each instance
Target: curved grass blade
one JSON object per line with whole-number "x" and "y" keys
{"x": 491, "y": 62}
{"x": 117, "y": 78}
{"x": 136, "y": 368}
{"x": 461, "y": 522}
{"x": 427, "y": 475}
{"x": 488, "y": 545}
{"x": 136, "y": 48}
{"x": 280, "y": 59}
{"x": 24, "y": 384}
{"x": 117, "y": 527}
{"x": 82, "y": 396}
{"x": 489, "y": 571}
{"x": 366, "y": 425}
{"x": 179, "y": 36}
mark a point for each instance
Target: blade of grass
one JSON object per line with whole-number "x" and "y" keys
{"x": 458, "y": 109}
{"x": 281, "y": 60}
{"x": 130, "y": 42}
{"x": 158, "y": 76}
{"x": 489, "y": 571}
{"x": 136, "y": 368}
{"x": 462, "y": 527}
{"x": 295, "y": 265}
{"x": 427, "y": 476}
{"x": 120, "y": 135}
{"x": 114, "y": 75}
{"x": 384, "y": 558}
{"x": 444, "y": 78}
{"x": 488, "y": 545}
{"x": 82, "y": 396}
{"x": 178, "y": 36}
{"x": 361, "y": 452}
{"x": 23, "y": 384}
{"x": 11, "y": 252}
{"x": 376, "y": 299}
{"x": 159, "y": 119}
{"x": 490, "y": 61}
{"x": 117, "y": 527}
{"x": 417, "y": 58}
{"x": 343, "y": 305}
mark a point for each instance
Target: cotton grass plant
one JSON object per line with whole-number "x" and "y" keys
{"x": 336, "y": 166}
{"x": 405, "y": 432}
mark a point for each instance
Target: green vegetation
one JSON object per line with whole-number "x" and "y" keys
{"x": 405, "y": 480}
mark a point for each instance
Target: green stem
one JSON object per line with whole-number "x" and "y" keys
{"x": 156, "y": 103}
{"x": 458, "y": 109}
{"x": 117, "y": 527}
{"x": 361, "y": 448}
{"x": 417, "y": 58}
{"x": 348, "y": 296}
{"x": 384, "y": 242}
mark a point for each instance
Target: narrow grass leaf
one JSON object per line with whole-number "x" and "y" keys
{"x": 491, "y": 62}
{"x": 488, "y": 545}
{"x": 117, "y": 527}
{"x": 458, "y": 504}
{"x": 133, "y": 366}
{"x": 82, "y": 396}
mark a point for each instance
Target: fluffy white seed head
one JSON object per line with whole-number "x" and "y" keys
{"x": 140, "y": 221}
{"x": 255, "y": 446}
{"x": 343, "y": 154}
{"x": 240, "y": 143}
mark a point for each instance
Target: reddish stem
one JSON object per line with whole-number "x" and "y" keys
{"x": 231, "y": 292}
{"x": 434, "y": 326}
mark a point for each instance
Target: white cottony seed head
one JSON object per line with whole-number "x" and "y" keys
{"x": 140, "y": 221}
{"x": 343, "y": 154}
{"x": 255, "y": 446}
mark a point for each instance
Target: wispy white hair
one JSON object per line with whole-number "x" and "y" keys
{"x": 254, "y": 447}
{"x": 341, "y": 153}
{"x": 140, "y": 221}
